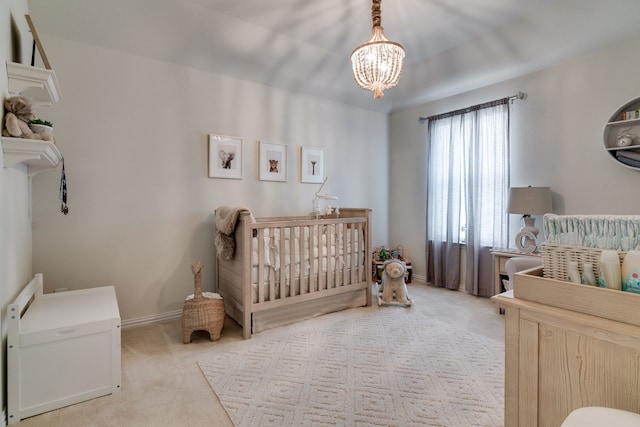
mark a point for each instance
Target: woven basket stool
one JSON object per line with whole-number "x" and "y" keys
{"x": 202, "y": 311}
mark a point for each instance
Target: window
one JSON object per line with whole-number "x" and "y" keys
{"x": 468, "y": 176}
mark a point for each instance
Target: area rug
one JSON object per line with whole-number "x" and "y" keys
{"x": 374, "y": 366}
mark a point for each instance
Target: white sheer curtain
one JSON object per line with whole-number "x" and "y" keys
{"x": 467, "y": 189}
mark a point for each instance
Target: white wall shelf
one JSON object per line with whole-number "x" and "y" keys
{"x": 617, "y": 125}
{"x": 37, "y": 83}
{"x": 41, "y": 86}
{"x": 38, "y": 155}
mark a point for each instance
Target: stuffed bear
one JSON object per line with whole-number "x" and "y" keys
{"x": 19, "y": 111}
{"x": 393, "y": 282}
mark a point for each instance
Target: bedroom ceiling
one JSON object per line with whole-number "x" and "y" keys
{"x": 305, "y": 45}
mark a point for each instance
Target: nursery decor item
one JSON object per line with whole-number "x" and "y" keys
{"x": 41, "y": 126}
{"x": 311, "y": 165}
{"x": 528, "y": 201}
{"x": 202, "y": 311}
{"x": 377, "y": 63}
{"x": 19, "y": 112}
{"x": 63, "y": 191}
{"x": 323, "y": 203}
{"x": 624, "y": 138}
{"x": 394, "y": 288}
{"x": 273, "y": 162}
{"x": 225, "y": 156}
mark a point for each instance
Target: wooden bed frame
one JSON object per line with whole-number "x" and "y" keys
{"x": 327, "y": 284}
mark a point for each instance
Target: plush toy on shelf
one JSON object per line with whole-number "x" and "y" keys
{"x": 16, "y": 121}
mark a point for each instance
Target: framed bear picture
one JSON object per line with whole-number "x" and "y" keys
{"x": 273, "y": 162}
{"x": 225, "y": 156}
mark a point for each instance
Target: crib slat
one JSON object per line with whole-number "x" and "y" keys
{"x": 292, "y": 260}
{"x": 283, "y": 263}
{"x": 344, "y": 247}
{"x": 336, "y": 255}
{"x": 302, "y": 265}
{"x": 360, "y": 256}
{"x": 321, "y": 276}
{"x": 354, "y": 250}
{"x": 272, "y": 257}
{"x": 331, "y": 262}
{"x": 327, "y": 258}
{"x": 339, "y": 250}
{"x": 260, "y": 266}
{"x": 312, "y": 260}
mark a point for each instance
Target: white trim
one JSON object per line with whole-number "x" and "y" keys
{"x": 420, "y": 279}
{"x": 148, "y": 320}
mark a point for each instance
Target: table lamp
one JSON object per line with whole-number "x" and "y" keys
{"x": 528, "y": 201}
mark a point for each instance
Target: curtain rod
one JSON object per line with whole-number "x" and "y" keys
{"x": 519, "y": 95}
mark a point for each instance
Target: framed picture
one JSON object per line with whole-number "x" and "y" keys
{"x": 225, "y": 156}
{"x": 273, "y": 162}
{"x": 312, "y": 165}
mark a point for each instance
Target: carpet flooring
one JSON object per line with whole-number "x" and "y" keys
{"x": 373, "y": 366}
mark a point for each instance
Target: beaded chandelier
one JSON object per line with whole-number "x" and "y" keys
{"x": 377, "y": 63}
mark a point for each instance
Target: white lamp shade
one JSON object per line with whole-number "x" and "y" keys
{"x": 529, "y": 200}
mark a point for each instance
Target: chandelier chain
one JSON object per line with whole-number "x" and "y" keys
{"x": 376, "y": 13}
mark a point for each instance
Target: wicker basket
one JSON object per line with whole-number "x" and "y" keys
{"x": 203, "y": 311}
{"x": 556, "y": 259}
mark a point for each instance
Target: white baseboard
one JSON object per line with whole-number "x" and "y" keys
{"x": 148, "y": 320}
{"x": 156, "y": 318}
{"x": 419, "y": 279}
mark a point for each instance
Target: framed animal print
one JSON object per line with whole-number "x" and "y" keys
{"x": 273, "y": 162}
{"x": 225, "y": 156}
{"x": 312, "y": 165}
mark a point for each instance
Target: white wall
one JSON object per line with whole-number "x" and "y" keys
{"x": 556, "y": 141}
{"x": 15, "y": 204}
{"x": 133, "y": 133}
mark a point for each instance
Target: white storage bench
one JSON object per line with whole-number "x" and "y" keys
{"x": 62, "y": 348}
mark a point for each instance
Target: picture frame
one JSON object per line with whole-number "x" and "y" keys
{"x": 273, "y": 162}
{"x": 312, "y": 165}
{"x": 225, "y": 156}
{"x": 36, "y": 41}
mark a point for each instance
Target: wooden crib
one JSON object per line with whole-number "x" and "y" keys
{"x": 321, "y": 265}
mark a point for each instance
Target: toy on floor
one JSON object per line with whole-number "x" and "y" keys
{"x": 394, "y": 288}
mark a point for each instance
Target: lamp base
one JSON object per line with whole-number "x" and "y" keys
{"x": 526, "y": 238}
